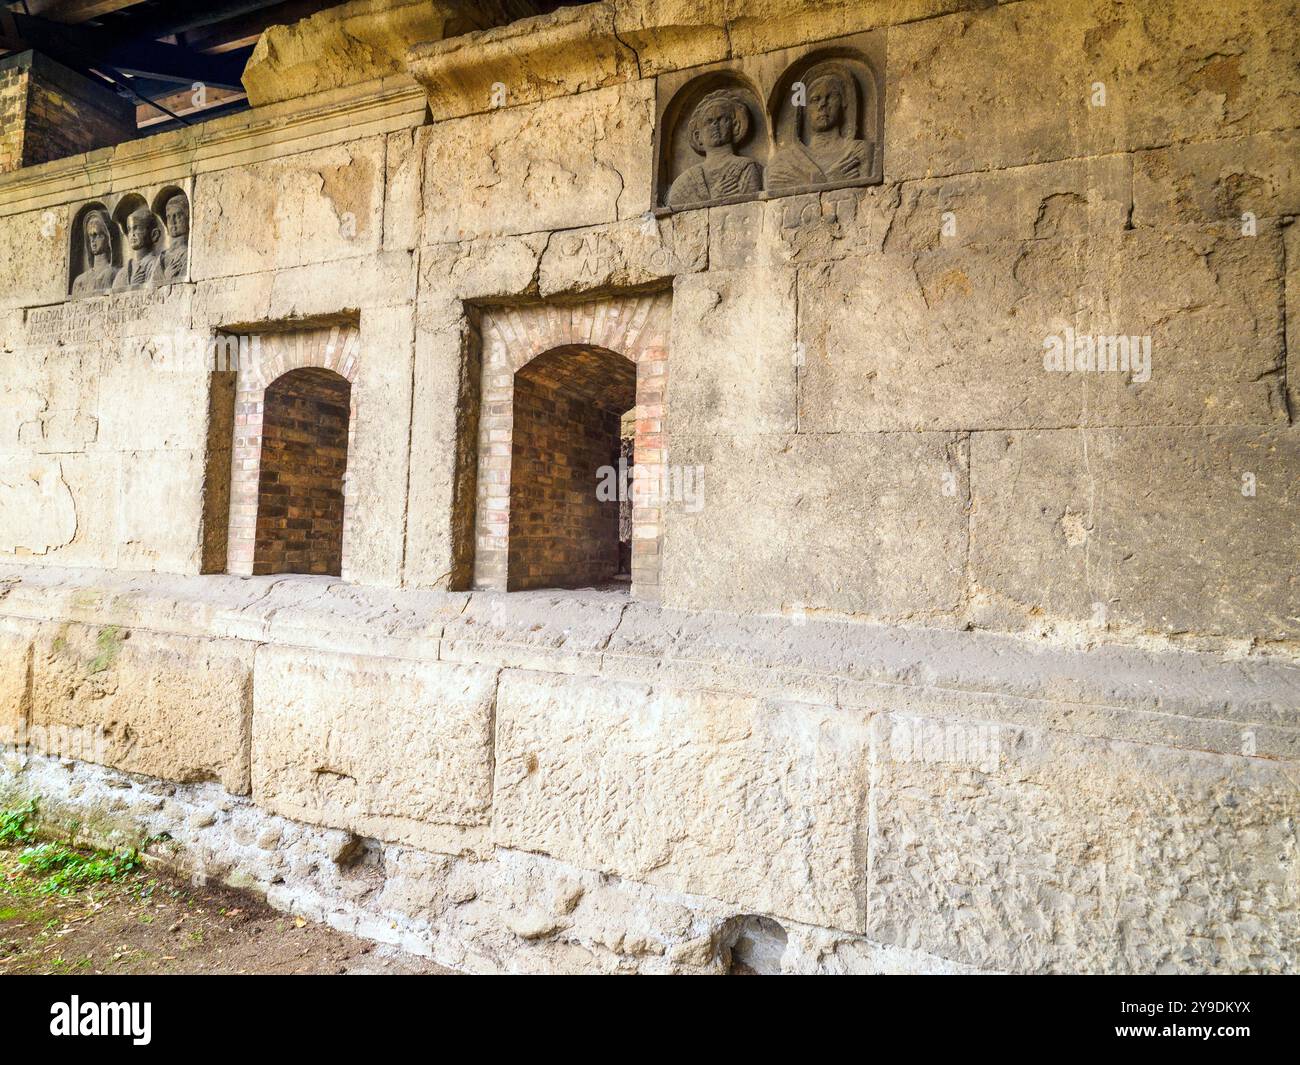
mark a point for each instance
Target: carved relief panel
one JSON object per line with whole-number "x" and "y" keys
{"x": 794, "y": 121}
{"x": 129, "y": 242}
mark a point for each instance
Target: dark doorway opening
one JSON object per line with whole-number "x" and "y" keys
{"x": 565, "y": 528}
{"x": 304, "y": 457}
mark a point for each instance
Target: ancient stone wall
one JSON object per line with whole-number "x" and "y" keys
{"x": 962, "y": 631}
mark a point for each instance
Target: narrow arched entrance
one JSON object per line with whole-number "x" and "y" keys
{"x": 565, "y": 483}
{"x": 304, "y": 457}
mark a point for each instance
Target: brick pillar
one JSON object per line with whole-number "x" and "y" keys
{"x": 48, "y": 112}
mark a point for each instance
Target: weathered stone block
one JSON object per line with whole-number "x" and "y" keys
{"x": 342, "y": 45}
{"x": 734, "y": 362}
{"x": 480, "y": 269}
{"x": 1075, "y": 198}
{"x": 33, "y": 258}
{"x": 1291, "y": 237}
{"x": 1018, "y": 82}
{"x": 1055, "y": 528}
{"x": 763, "y": 25}
{"x": 884, "y": 335}
{"x": 1032, "y": 851}
{"x": 15, "y": 677}
{"x": 162, "y": 705}
{"x": 862, "y": 523}
{"x": 378, "y": 453}
{"x": 443, "y": 446}
{"x": 160, "y": 510}
{"x": 573, "y": 51}
{"x": 38, "y": 508}
{"x": 1218, "y": 181}
{"x": 625, "y": 254}
{"x": 227, "y": 301}
{"x": 577, "y": 161}
{"x": 318, "y": 206}
{"x": 403, "y": 161}
{"x": 49, "y": 397}
{"x": 757, "y": 803}
{"x": 398, "y": 750}
{"x": 674, "y": 34}
{"x": 169, "y": 373}
{"x": 323, "y": 291}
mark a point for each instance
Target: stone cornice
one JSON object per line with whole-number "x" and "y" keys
{"x": 575, "y": 49}
{"x": 572, "y": 50}
{"x": 382, "y": 106}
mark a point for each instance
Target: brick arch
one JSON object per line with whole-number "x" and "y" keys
{"x": 634, "y": 327}
{"x": 263, "y": 360}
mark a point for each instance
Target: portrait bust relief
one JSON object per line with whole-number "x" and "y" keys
{"x": 172, "y": 262}
{"x": 98, "y": 269}
{"x": 719, "y": 123}
{"x": 142, "y": 260}
{"x": 782, "y": 123}
{"x": 129, "y": 242}
{"x": 825, "y": 147}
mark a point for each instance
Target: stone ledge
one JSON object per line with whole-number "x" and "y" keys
{"x": 347, "y": 114}
{"x": 573, "y": 50}
{"x": 1174, "y": 698}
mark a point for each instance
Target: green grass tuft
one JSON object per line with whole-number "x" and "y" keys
{"x": 15, "y": 825}
{"x": 65, "y": 870}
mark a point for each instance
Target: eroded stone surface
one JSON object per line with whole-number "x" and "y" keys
{"x": 567, "y": 164}
{"x": 1035, "y": 852}
{"x": 611, "y": 773}
{"x": 1063, "y": 600}
{"x": 384, "y": 748}
{"x": 746, "y": 545}
{"x": 1068, "y": 497}
{"x": 1165, "y": 74}
{"x": 165, "y": 706}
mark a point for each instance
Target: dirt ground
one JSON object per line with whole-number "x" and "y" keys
{"x": 149, "y": 922}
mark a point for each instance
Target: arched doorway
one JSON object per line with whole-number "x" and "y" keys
{"x": 569, "y": 404}
{"x": 608, "y": 355}
{"x": 304, "y": 457}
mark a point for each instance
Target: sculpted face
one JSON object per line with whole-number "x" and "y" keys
{"x": 141, "y": 230}
{"x": 717, "y": 125}
{"x": 97, "y": 236}
{"x": 178, "y": 217}
{"x": 825, "y": 104}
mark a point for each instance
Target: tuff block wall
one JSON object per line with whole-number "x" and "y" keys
{"x": 947, "y": 624}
